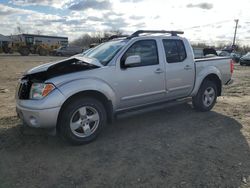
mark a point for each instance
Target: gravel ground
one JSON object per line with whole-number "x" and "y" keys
{"x": 172, "y": 147}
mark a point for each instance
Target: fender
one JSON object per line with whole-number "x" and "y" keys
{"x": 72, "y": 87}
{"x": 202, "y": 75}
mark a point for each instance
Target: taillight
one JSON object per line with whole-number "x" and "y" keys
{"x": 231, "y": 66}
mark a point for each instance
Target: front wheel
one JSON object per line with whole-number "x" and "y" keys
{"x": 82, "y": 120}
{"x": 206, "y": 96}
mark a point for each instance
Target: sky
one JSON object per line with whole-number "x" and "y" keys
{"x": 210, "y": 21}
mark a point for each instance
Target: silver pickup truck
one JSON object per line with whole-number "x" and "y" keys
{"x": 78, "y": 95}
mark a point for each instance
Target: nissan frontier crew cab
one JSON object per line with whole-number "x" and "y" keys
{"x": 78, "y": 95}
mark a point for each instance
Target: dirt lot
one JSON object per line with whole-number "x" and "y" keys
{"x": 174, "y": 147}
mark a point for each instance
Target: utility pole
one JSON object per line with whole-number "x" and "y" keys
{"x": 236, "y": 21}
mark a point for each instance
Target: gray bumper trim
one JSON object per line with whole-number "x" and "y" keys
{"x": 46, "y": 118}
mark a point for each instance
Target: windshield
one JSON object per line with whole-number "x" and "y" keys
{"x": 248, "y": 54}
{"x": 87, "y": 51}
{"x": 62, "y": 48}
{"x": 106, "y": 51}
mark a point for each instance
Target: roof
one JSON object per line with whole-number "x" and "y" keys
{"x": 45, "y": 36}
{"x": 4, "y": 38}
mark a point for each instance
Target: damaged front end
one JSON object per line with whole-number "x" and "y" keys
{"x": 33, "y": 86}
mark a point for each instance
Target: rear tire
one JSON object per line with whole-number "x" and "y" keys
{"x": 43, "y": 52}
{"x": 59, "y": 54}
{"x": 206, "y": 97}
{"x": 24, "y": 51}
{"x": 81, "y": 120}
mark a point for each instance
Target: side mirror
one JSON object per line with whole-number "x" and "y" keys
{"x": 132, "y": 60}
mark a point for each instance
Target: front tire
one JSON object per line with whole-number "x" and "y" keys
{"x": 206, "y": 96}
{"x": 82, "y": 120}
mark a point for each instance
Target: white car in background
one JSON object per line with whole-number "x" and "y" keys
{"x": 245, "y": 60}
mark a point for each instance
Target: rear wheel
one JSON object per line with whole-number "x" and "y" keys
{"x": 82, "y": 120}
{"x": 43, "y": 52}
{"x": 11, "y": 51}
{"x": 24, "y": 51}
{"x": 59, "y": 54}
{"x": 206, "y": 96}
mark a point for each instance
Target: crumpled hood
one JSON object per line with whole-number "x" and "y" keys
{"x": 45, "y": 67}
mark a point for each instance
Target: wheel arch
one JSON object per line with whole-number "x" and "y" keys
{"x": 210, "y": 73}
{"x": 215, "y": 79}
{"x": 93, "y": 94}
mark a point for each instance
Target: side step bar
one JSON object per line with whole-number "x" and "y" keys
{"x": 150, "y": 108}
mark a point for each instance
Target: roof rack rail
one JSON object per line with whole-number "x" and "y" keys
{"x": 117, "y": 36}
{"x": 105, "y": 39}
{"x": 137, "y": 33}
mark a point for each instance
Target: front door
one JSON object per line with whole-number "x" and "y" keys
{"x": 140, "y": 83}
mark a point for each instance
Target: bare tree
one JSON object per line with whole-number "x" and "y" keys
{"x": 83, "y": 41}
{"x": 19, "y": 30}
{"x": 39, "y": 32}
{"x": 97, "y": 37}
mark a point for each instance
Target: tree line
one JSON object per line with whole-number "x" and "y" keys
{"x": 86, "y": 40}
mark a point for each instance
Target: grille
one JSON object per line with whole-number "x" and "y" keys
{"x": 24, "y": 89}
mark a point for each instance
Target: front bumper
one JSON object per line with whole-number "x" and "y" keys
{"x": 40, "y": 113}
{"x": 46, "y": 118}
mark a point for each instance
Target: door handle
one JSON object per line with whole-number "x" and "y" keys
{"x": 159, "y": 70}
{"x": 187, "y": 67}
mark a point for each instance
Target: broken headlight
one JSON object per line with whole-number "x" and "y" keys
{"x": 40, "y": 90}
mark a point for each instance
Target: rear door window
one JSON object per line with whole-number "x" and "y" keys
{"x": 174, "y": 50}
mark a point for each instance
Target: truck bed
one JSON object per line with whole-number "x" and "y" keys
{"x": 221, "y": 63}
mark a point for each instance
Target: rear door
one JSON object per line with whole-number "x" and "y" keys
{"x": 180, "y": 68}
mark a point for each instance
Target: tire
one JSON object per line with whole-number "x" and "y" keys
{"x": 241, "y": 64}
{"x": 206, "y": 97}
{"x": 24, "y": 51}
{"x": 43, "y": 52}
{"x": 6, "y": 50}
{"x": 81, "y": 120}
{"x": 59, "y": 54}
{"x": 11, "y": 51}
